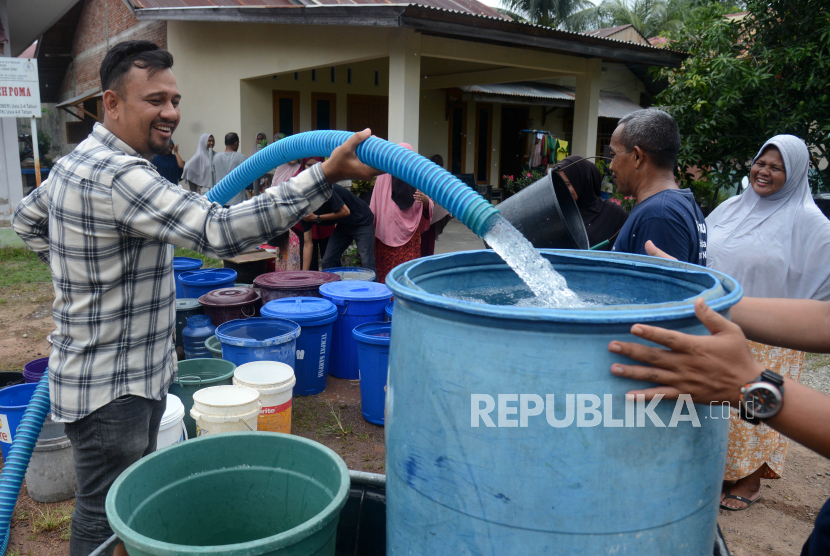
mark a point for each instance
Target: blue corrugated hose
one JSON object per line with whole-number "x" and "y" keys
{"x": 438, "y": 184}
{"x": 14, "y": 468}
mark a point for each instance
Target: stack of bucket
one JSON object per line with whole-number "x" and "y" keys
{"x": 50, "y": 476}
{"x": 308, "y": 321}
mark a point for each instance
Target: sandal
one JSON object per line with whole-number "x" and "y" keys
{"x": 746, "y": 501}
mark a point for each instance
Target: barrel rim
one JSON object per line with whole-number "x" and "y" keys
{"x": 399, "y": 282}
{"x": 286, "y": 538}
{"x": 360, "y": 333}
{"x": 221, "y": 332}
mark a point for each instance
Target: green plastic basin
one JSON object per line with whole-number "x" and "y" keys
{"x": 195, "y": 374}
{"x": 233, "y": 494}
{"x": 214, "y": 346}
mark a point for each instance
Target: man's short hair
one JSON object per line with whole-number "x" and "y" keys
{"x": 655, "y": 132}
{"x": 124, "y": 55}
{"x": 231, "y": 138}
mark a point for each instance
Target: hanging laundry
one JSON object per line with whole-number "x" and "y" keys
{"x": 561, "y": 150}
{"x": 537, "y": 151}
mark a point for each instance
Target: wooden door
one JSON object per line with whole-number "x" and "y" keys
{"x": 513, "y": 141}
{"x": 323, "y": 111}
{"x": 368, "y": 111}
{"x": 286, "y": 112}
{"x": 484, "y": 142}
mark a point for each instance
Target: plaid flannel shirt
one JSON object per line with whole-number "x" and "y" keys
{"x": 105, "y": 221}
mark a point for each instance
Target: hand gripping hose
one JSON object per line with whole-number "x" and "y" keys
{"x": 438, "y": 184}
{"x": 14, "y": 468}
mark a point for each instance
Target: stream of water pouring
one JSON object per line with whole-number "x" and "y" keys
{"x": 536, "y": 271}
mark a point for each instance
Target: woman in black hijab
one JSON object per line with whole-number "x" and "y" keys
{"x": 603, "y": 219}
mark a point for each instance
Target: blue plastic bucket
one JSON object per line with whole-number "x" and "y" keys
{"x": 373, "y": 355}
{"x": 389, "y": 310}
{"x": 353, "y": 273}
{"x": 357, "y": 302}
{"x": 13, "y": 403}
{"x": 183, "y": 264}
{"x": 196, "y": 283}
{"x": 259, "y": 339}
{"x": 560, "y": 464}
{"x": 315, "y": 316}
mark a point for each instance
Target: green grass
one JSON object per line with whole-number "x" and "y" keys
{"x": 20, "y": 265}
{"x": 209, "y": 263}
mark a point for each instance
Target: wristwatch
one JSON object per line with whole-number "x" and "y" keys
{"x": 319, "y": 221}
{"x": 762, "y": 398}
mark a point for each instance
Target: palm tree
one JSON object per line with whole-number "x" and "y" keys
{"x": 543, "y": 12}
{"x": 650, "y": 17}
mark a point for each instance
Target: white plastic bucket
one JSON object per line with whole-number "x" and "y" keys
{"x": 171, "y": 429}
{"x": 275, "y": 382}
{"x": 221, "y": 409}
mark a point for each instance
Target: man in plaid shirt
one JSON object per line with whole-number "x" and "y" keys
{"x": 106, "y": 222}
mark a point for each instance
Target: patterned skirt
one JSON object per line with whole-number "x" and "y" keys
{"x": 388, "y": 258}
{"x": 752, "y": 447}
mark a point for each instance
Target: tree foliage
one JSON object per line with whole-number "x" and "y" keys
{"x": 747, "y": 80}
{"x": 650, "y": 17}
{"x": 542, "y": 12}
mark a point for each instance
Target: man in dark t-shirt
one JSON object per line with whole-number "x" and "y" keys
{"x": 644, "y": 148}
{"x": 355, "y": 222}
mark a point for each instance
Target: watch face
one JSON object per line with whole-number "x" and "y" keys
{"x": 762, "y": 400}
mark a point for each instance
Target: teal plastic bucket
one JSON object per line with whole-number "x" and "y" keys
{"x": 233, "y": 494}
{"x": 506, "y": 428}
{"x": 214, "y": 346}
{"x": 195, "y": 374}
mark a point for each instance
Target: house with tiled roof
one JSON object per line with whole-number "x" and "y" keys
{"x": 449, "y": 77}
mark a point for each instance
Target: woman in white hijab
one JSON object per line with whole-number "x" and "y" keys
{"x": 775, "y": 241}
{"x": 198, "y": 172}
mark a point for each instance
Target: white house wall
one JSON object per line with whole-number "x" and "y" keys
{"x": 212, "y": 59}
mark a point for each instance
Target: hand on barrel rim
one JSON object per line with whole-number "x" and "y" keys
{"x": 709, "y": 368}
{"x": 344, "y": 164}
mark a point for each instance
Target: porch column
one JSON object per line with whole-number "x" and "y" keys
{"x": 586, "y": 109}
{"x": 404, "y": 87}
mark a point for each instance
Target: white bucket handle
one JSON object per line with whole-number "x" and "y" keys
{"x": 184, "y": 429}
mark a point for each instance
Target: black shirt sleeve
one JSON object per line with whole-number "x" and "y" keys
{"x": 332, "y": 205}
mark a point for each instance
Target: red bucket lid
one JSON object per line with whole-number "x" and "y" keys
{"x": 295, "y": 279}
{"x": 229, "y": 297}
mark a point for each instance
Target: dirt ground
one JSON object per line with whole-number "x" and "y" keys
{"x": 776, "y": 525}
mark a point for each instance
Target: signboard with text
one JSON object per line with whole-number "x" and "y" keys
{"x": 19, "y": 88}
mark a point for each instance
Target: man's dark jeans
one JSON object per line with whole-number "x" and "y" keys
{"x": 363, "y": 236}
{"x": 105, "y": 443}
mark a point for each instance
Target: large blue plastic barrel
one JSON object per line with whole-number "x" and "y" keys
{"x": 13, "y": 403}
{"x": 196, "y": 283}
{"x": 183, "y": 264}
{"x": 315, "y": 316}
{"x": 373, "y": 356}
{"x": 390, "y": 310}
{"x": 259, "y": 339}
{"x": 510, "y": 482}
{"x": 357, "y": 302}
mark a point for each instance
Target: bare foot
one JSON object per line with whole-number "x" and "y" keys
{"x": 748, "y": 487}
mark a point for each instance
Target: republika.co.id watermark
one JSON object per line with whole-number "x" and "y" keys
{"x": 584, "y": 410}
